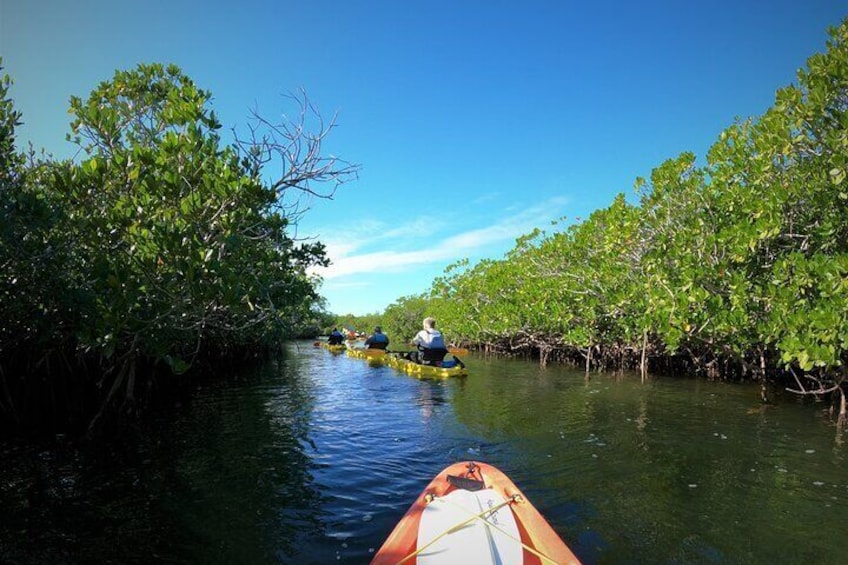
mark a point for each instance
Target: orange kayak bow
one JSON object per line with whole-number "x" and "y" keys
{"x": 473, "y": 513}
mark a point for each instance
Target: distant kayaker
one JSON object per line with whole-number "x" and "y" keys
{"x": 430, "y": 343}
{"x": 336, "y": 337}
{"x": 377, "y": 340}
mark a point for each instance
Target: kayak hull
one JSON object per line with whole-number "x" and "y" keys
{"x": 418, "y": 370}
{"x": 373, "y": 356}
{"x": 533, "y": 540}
{"x": 334, "y": 348}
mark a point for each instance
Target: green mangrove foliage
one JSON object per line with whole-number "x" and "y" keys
{"x": 402, "y": 320}
{"x": 161, "y": 245}
{"x": 737, "y": 267}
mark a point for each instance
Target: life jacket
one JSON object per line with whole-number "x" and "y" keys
{"x": 436, "y": 340}
{"x": 436, "y": 351}
{"x": 433, "y": 355}
{"x": 377, "y": 341}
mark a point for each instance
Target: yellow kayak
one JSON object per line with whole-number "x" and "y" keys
{"x": 333, "y": 348}
{"x": 417, "y": 370}
{"x": 373, "y": 356}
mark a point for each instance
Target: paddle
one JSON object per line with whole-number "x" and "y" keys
{"x": 373, "y": 352}
{"x": 398, "y": 354}
{"x": 457, "y": 350}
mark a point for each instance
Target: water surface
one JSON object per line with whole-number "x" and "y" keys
{"x": 313, "y": 457}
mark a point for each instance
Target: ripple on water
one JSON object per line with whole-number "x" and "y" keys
{"x": 316, "y": 457}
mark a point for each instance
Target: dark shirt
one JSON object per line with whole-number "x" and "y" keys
{"x": 377, "y": 341}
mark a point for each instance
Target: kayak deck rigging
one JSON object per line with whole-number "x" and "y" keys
{"x": 473, "y": 513}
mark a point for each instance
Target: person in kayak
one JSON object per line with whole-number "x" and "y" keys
{"x": 336, "y": 337}
{"x": 430, "y": 343}
{"x": 377, "y": 340}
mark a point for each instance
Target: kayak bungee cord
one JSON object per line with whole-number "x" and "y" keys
{"x": 457, "y": 526}
{"x": 513, "y": 498}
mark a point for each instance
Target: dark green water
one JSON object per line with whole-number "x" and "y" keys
{"x": 314, "y": 457}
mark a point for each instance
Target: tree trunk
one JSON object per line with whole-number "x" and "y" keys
{"x": 764, "y": 386}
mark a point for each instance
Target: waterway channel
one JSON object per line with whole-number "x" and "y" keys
{"x": 313, "y": 457}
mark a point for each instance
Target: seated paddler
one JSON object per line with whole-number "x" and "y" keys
{"x": 336, "y": 337}
{"x": 430, "y": 343}
{"x": 377, "y": 340}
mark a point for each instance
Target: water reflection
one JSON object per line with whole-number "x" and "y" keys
{"x": 431, "y": 395}
{"x": 224, "y": 479}
{"x": 312, "y": 458}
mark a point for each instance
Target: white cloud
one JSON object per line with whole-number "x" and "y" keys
{"x": 484, "y": 236}
{"x": 346, "y": 262}
{"x": 486, "y": 198}
{"x": 338, "y": 285}
{"x": 383, "y": 261}
{"x": 365, "y": 233}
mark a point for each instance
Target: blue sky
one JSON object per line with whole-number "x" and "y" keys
{"x": 473, "y": 122}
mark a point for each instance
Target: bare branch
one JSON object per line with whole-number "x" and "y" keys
{"x": 293, "y": 152}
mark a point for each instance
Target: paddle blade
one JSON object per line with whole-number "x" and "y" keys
{"x": 458, "y": 350}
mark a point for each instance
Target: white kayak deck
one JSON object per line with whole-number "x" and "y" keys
{"x": 476, "y": 542}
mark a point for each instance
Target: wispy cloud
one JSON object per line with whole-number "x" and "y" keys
{"x": 337, "y": 285}
{"x": 368, "y": 233}
{"x": 345, "y": 260}
{"x": 486, "y": 198}
{"x": 384, "y": 261}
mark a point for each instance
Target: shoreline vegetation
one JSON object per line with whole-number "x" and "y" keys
{"x": 158, "y": 251}
{"x": 735, "y": 269}
{"x": 161, "y": 251}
